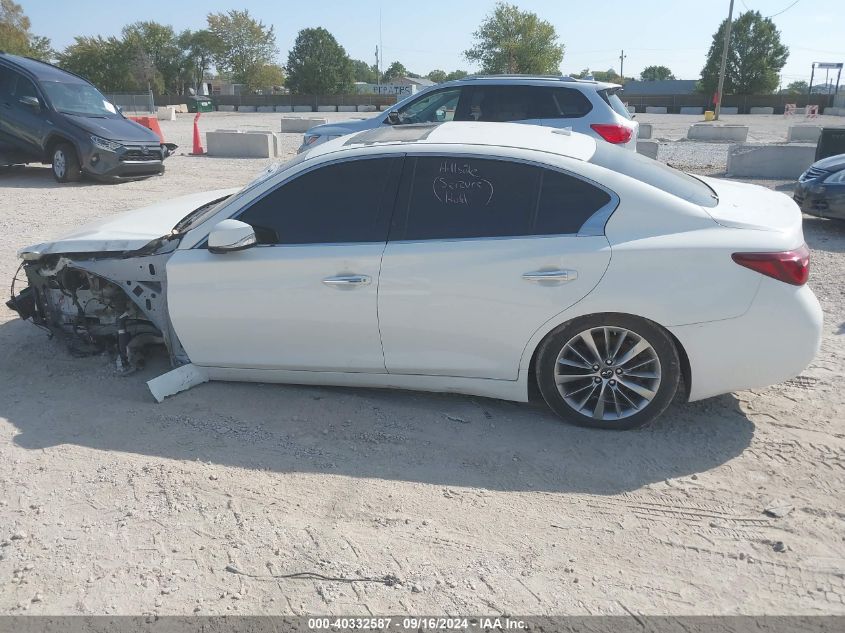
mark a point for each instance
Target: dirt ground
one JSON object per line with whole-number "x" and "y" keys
{"x": 431, "y": 504}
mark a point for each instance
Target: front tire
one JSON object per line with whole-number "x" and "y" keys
{"x": 66, "y": 164}
{"x": 608, "y": 371}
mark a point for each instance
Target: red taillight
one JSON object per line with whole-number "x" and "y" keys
{"x": 613, "y": 133}
{"x": 792, "y": 267}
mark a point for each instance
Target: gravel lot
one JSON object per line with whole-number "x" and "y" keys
{"x": 110, "y": 503}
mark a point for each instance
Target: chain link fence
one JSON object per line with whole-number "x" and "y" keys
{"x": 142, "y": 103}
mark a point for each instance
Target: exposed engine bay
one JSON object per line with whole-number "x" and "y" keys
{"x": 100, "y": 303}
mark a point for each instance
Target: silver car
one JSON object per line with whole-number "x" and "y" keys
{"x": 589, "y": 107}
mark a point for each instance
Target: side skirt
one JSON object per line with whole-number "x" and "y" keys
{"x": 174, "y": 382}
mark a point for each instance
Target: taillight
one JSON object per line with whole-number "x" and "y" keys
{"x": 613, "y": 133}
{"x": 792, "y": 267}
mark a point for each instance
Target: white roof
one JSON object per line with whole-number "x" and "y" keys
{"x": 516, "y": 135}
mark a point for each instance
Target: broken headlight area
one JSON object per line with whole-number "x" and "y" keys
{"x": 91, "y": 313}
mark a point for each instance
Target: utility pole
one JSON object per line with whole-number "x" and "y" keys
{"x": 724, "y": 60}
{"x": 378, "y": 73}
{"x": 622, "y": 57}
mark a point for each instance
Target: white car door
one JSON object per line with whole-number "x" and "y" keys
{"x": 482, "y": 253}
{"x": 305, "y": 297}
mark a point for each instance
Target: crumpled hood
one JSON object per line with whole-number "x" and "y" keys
{"x": 342, "y": 128}
{"x": 127, "y": 231}
{"x": 118, "y": 129}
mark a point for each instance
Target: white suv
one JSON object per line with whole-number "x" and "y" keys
{"x": 589, "y": 107}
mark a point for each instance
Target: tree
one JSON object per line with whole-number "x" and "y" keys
{"x": 266, "y": 77}
{"x": 157, "y": 58}
{"x": 394, "y": 71}
{"x": 15, "y": 36}
{"x": 755, "y": 56}
{"x": 106, "y": 63}
{"x": 514, "y": 41}
{"x": 796, "y": 88}
{"x": 656, "y": 73}
{"x": 318, "y": 65}
{"x": 199, "y": 49}
{"x": 456, "y": 74}
{"x": 362, "y": 71}
{"x": 244, "y": 44}
{"x": 437, "y": 76}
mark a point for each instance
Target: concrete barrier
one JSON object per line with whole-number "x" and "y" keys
{"x": 181, "y": 108}
{"x": 835, "y": 111}
{"x": 645, "y": 130}
{"x": 284, "y": 108}
{"x": 762, "y": 111}
{"x": 382, "y": 108}
{"x": 715, "y": 132}
{"x": 366, "y": 108}
{"x": 648, "y": 148}
{"x": 300, "y": 124}
{"x": 656, "y": 109}
{"x": 759, "y": 160}
{"x": 691, "y": 110}
{"x": 347, "y": 108}
{"x": 246, "y": 108}
{"x": 265, "y": 109}
{"x": 166, "y": 113}
{"x": 225, "y": 108}
{"x": 303, "y": 109}
{"x": 729, "y": 110}
{"x": 326, "y": 108}
{"x": 241, "y": 144}
{"x": 803, "y": 134}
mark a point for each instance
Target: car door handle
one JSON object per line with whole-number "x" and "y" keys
{"x": 554, "y": 276}
{"x": 346, "y": 281}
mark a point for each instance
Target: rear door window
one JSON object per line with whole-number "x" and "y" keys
{"x": 6, "y": 82}
{"x": 454, "y": 197}
{"x": 611, "y": 96}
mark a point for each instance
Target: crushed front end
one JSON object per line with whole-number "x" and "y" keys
{"x": 99, "y": 303}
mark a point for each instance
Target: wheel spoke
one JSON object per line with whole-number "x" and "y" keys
{"x": 614, "y": 392}
{"x": 642, "y": 374}
{"x": 587, "y": 337}
{"x": 572, "y": 363}
{"x": 598, "y": 410}
{"x": 635, "y": 351}
{"x": 643, "y": 392}
{"x": 562, "y": 378}
{"x": 622, "y": 337}
{"x": 583, "y": 403}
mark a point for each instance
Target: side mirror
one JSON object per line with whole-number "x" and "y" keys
{"x": 231, "y": 235}
{"x": 31, "y": 102}
{"x": 393, "y": 118}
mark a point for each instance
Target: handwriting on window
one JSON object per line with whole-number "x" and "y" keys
{"x": 461, "y": 183}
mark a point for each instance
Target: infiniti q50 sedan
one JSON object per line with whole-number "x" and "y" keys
{"x": 460, "y": 257}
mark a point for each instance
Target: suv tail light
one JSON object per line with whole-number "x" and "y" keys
{"x": 613, "y": 133}
{"x": 792, "y": 267}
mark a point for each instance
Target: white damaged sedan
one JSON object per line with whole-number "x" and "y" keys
{"x": 475, "y": 258}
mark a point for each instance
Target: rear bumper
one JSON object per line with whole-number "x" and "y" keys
{"x": 773, "y": 341}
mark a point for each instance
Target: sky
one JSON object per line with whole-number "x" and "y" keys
{"x": 434, "y": 34}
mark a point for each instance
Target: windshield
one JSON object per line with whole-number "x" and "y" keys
{"x": 208, "y": 210}
{"x": 655, "y": 173}
{"x": 79, "y": 98}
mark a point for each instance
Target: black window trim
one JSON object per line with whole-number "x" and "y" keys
{"x": 593, "y": 226}
{"x": 203, "y": 243}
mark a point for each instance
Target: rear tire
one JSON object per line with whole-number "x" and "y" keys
{"x": 66, "y": 164}
{"x": 608, "y": 371}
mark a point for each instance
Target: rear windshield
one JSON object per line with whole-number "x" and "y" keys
{"x": 654, "y": 173}
{"x": 613, "y": 100}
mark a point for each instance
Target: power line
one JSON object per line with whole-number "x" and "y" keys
{"x": 782, "y": 10}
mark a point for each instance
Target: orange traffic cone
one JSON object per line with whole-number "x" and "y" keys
{"x": 198, "y": 149}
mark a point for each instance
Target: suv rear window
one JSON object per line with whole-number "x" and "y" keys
{"x": 611, "y": 96}
{"x": 654, "y": 173}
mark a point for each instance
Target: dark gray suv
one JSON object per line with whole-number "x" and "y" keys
{"x": 48, "y": 115}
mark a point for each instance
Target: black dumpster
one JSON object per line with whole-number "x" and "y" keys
{"x": 831, "y": 142}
